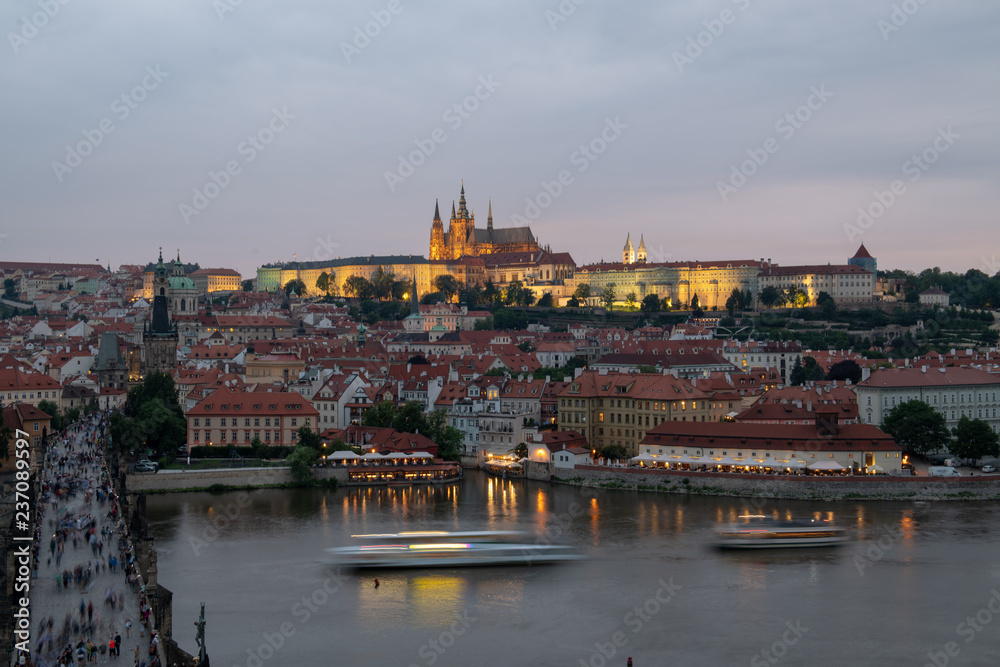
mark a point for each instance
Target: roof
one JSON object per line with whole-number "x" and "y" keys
{"x": 226, "y": 401}
{"x": 502, "y": 235}
{"x": 887, "y": 378}
{"x": 806, "y": 269}
{"x": 862, "y": 253}
{"x": 852, "y": 437}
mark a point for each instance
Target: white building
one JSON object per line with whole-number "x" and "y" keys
{"x": 955, "y": 392}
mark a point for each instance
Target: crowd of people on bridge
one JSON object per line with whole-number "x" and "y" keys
{"x": 81, "y": 619}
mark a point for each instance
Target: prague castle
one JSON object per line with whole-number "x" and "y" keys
{"x": 463, "y": 239}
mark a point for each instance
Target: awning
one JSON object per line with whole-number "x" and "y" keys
{"x": 876, "y": 468}
{"x": 372, "y": 456}
{"x": 342, "y": 456}
{"x": 645, "y": 458}
{"x": 421, "y": 455}
{"x": 795, "y": 465}
{"x": 397, "y": 455}
{"x": 825, "y": 465}
{"x": 726, "y": 461}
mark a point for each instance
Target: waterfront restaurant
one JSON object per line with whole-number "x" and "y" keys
{"x": 824, "y": 447}
{"x": 395, "y": 467}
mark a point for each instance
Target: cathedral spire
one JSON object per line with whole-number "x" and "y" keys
{"x": 452, "y": 209}
{"x": 489, "y": 217}
{"x": 437, "y": 212}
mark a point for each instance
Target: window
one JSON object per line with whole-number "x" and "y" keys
{"x": 267, "y": 421}
{"x": 208, "y": 421}
{"x": 294, "y": 420}
{"x": 197, "y": 424}
{"x": 196, "y": 434}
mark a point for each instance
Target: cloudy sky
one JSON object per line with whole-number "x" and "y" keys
{"x": 243, "y": 132}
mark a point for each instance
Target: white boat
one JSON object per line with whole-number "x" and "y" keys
{"x": 446, "y": 549}
{"x": 759, "y": 532}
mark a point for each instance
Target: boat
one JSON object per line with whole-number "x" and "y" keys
{"x": 760, "y": 532}
{"x": 420, "y": 549}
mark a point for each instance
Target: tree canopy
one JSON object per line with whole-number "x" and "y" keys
{"x": 916, "y": 427}
{"x": 974, "y": 439}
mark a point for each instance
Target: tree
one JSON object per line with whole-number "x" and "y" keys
{"x": 52, "y": 410}
{"x": 301, "y": 461}
{"x": 916, "y": 427}
{"x": 297, "y": 285}
{"x": 358, "y": 286}
{"x": 323, "y": 283}
{"x": 260, "y": 450}
{"x": 650, "y": 304}
{"x": 630, "y": 300}
{"x": 521, "y": 451}
{"x": 695, "y": 303}
{"x": 847, "y": 369}
{"x": 307, "y": 438}
{"x": 545, "y": 301}
{"x": 448, "y": 285}
{"x": 381, "y": 415}
{"x": 582, "y": 292}
{"x": 409, "y": 418}
{"x": 613, "y": 452}
{"x": 608, "y": 297}
{"x": 733, "y": 302}
{"x": 9, "y": 288}
{"x": 448, "y": 438}
{"x": 805, "y": 370}
{"x": 517, "y": 294}
{"x": 492, "y": 294}
{"x": 247, "y": 285}
{"x": 974, "y": 439}
{"x": 768, "y": 296}
{"x": 382, "y": 283}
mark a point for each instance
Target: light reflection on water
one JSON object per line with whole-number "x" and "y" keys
{"x": 922, "y": 583}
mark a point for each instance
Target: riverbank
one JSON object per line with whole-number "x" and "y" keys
{"x": 790, "y": 487}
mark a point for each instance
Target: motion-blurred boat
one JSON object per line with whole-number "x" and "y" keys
{"x": 446, "y": 549}
{"x": 759, "y": 532}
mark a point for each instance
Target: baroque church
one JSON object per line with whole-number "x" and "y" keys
{"x": 464, "y": 239}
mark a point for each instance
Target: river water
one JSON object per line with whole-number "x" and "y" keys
{"x": 919, "y": 585}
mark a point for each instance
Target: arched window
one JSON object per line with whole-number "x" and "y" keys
{"x": 182, "y": 305}
{"x": 163, "y": 292}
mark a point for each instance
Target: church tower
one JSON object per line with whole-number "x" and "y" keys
{"x": 628, "y": 252}
{"x": 438, "y": 249}
{"x": 159, "y": 336}
{"x": 460, "y": 228}
{"x": 640, "y": 255}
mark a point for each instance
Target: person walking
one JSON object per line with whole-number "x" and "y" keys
{"x": 128, "y": 627}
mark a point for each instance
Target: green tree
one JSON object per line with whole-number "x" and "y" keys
{"x": 380, "y": 415}
{"x": 974, "y": 439}
{"x": 847, "y": 369}
{"x": 484, "y": 324}
{"x": 323, "y": 283}
{"x": 295, "y": 284}
{"x": 733, "y": 302}
{"x": 260, "y": 450}
{"x": 582, "y": 292}
{"x": 301, "y": 461}
{"x": 916, "y": 427}
{"x": 608, "y": 297}
{"x": 630, "y": 300}
{"x": 382, "y": 283}
{"x": 545, "y": 301}
{"x": 695, "y": 303}
{"x": 247, "y": 285}
{"x": 650, "y": 304}
{"x": 358, "y": 286}
{"x": 521, "y": 451}
{"x": 409, "y": 418}
{"x": 616, "y": 452}
{"x": 52, "y": 410}
{"x": 769, "y": 296}
{"x": 9, "y": 288}
{"x": 491, "y": 294}
{"x": 805, "y": 370}
{"x": 308, "y": 438}
{"x": 517, "y": 294}
{"x": 447, "y": 438}
{"x": 448, "y": 285}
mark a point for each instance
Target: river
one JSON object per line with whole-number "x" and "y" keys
{"x": 920, "y": 585}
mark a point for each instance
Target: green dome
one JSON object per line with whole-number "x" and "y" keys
{"x": 182, "y": 282}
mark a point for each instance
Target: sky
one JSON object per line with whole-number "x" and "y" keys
{"x": 242, "y": 132}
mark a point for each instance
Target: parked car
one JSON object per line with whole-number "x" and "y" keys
{"x": 943, "y": 471}
{"x": 989, "y": 468}
{"x": 146, "y": 466}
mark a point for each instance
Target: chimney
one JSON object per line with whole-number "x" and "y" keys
{"x": 826, "y": 424}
